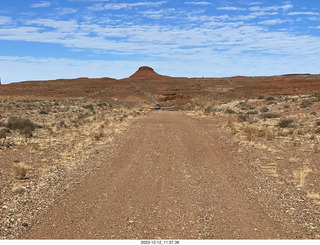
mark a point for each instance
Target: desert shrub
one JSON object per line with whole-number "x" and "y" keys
{"x": 261, "y": 97}
{"x": 19, "y": 171}
{"x": 305, "y": 104}
{"x": 4, "y": 132}
{"x": 230, "y": 111}
{"x": 286, "y": 106}
{"x": 102, "y": 104}
{"x": 245, "y": 106}
{"x": 243, "y": 117}
{"x": 270, "y": 115}
{"x": 249, "y": 130}
{"x": 317, "y": 131}
{"x": 287, "y": 123}
{"x": 89, "y": 107}
{"x": 264, "y": 109}
{"x": 24, "y": 125}
{"x": 318, "y": 123}
{"x": 261, "y": 133}
{"x": 63, "y": 124}
{"x": 272, "y": 102}
{"x": 209, "y": 109}
{"x": 252, "y": 112}
{"x": 43, "y": 112}
{"x": 269, "y": 98}
{"x": 317, "y": 96}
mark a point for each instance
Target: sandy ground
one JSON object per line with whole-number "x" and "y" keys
{"x": 172, "y": 177}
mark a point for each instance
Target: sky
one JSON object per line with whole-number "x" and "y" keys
{"x": 44, "y": 40}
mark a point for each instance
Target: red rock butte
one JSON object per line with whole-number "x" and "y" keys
{"x": 145, "y": 72}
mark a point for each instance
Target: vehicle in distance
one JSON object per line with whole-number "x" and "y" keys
{"x": 157, "y": 107}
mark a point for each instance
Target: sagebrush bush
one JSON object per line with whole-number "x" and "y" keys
{"x": 24, "y": 125}
{"x": 269, "y": 98}
{"x": 243, "y": 118}
{"x": 305, "y": 104}
{"x": 252, "y": 112}
{"x": 245, "y": 106}
{"x": 89, "y": 107}
{"x": 270, "y": 115}
{"x": 287, "y": 123}
{"x": 209, "y": 109}
{"x": 230, "y": 111}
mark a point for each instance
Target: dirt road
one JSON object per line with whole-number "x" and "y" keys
{"x": 171, "y": 179}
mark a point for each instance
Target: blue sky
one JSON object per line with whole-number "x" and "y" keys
{"x": 42, "y": 40}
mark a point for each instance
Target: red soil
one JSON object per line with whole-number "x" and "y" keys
{"x": 147, "y": 86}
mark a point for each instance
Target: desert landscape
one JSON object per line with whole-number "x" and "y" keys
{"x": 237, "y": 158}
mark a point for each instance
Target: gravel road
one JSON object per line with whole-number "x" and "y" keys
{"x": 169, "y": 180}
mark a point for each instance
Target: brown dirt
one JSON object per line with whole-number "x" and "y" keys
{"x": 172, "y": 177}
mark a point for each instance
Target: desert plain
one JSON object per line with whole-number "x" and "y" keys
{"x": 237, "y": 158}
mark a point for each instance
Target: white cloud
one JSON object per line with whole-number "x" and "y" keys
{"x": 5, "y": 20}
{"x": 256, "y": 3}
{"x": 118, "y": 6}
{"x": 272, "y": 22}
{"x": 198, "y": 3}
{"x": 303, "y": 13}
{"x": 231, "y": 8}
{"x": 272, "y": 8}
{"x": 66, "y": 11}
{"x": 42, "y": 4}
{"x": 70, "y": 26}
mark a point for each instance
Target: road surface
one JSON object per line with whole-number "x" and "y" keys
{"x": 170, "y": 180}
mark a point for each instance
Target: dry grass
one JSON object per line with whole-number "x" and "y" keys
{"x": 270, "y": 169}
{"x": 301, "y": 174}
{"x": 19, "y": 170}
{"x": 315, "y": 197}
{"x": 17, "y": 188}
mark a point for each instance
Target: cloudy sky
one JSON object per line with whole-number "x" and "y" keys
{"x": 110, "y": 38}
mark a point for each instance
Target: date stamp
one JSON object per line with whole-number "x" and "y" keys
{"x": 160, "y": 242}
